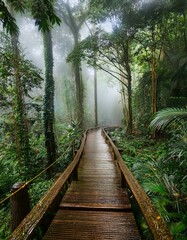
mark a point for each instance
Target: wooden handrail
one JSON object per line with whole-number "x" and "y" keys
{"x": 27, "y": 227}
{"x": 156, "y": 224}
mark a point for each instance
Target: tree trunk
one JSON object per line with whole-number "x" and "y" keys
{"x": 21, "y": 124}
{"x": 74, "y": 23}
{"x": 124, "y": 104}
{"x": 49, "y": 100}
{"x": 79, "y": 84}
{"x": 79, "y": 94}
{"x": 129, "y": 90}
{"x": 154, "y": 77}
{"x": 68, "y": 101}
{"x": 95, "y": 97}
{"x": 184, "y": 31}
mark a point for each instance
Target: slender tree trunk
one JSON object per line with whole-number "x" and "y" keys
{"x": 95, "y": 97}
{"x": 68, "y": 101}
{"x": 79, "y": 85}
{"x": 184, "y": 31}
{"x": 79, "y": 94}
{"x": 74, "y": 23}
{"x": 124, "y": 102}
{"x": 129, "y": 90}
{"x": 21, "y": 128}
{"x": 49, "y": 100}
{"x": 154, "y": 76}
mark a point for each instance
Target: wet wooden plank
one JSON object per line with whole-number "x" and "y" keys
{"x": 92, "y": 196}
{"x": 94, "y": 225}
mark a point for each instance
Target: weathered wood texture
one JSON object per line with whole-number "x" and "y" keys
{"x": 156, "y": 224}
{"x": 93, "y": 225}
{"x": 19, "y": 205}
{"x": 95, "y": 206}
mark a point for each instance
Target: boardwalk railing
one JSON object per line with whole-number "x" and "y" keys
{"x": 156, "y": 224}
{"x": 50, "y": 201}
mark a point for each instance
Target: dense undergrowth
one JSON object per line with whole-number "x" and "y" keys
{"x": 160, "y": 167}
{"x": 68, "y": 139}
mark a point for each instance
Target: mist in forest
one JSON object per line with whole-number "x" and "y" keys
{"x": 109, "y": 102}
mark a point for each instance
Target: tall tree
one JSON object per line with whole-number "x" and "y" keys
{"x": 114, "y": 57}
{"x": 74, "y": 17}
{"x": 93, "y": 31}
{"x": 17, "y": 80}
{"x": 21, "y": 123}
{"x": 95, "y": 97}
{"x": 44, "y": 20}
{"x": 49, "y": 99}
{"x": 115, "y": 48}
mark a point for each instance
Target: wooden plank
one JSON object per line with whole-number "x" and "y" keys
{"x": 93, "y": 225}
{"x": 86, "y": 196}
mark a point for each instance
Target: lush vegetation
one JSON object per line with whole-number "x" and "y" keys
{"x": 160, "y": 167}
{"x": 68, "y": 141}
{"x": 145, "y": 51}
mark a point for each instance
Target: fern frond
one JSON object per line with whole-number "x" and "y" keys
{"x": 167, "y": 116}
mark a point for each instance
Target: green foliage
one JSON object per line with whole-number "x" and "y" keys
{"x": 44, "y": 14}
{"x": 17, "y": 5}
{"x": 166, "y": 117}
{"x": 69, "y": 97}
{"x": 29, "y": 73}
{"x": 9, "y": 168}
{"x": 68, "y": 138}
{"x": 44, "y": 18}
{"x": 12, "y": 168}
{"x": 12, "y": 116}
{"x": 38, "y": 189}
{"x": 160, "y": 167}
{"x": 9, "y": 22}
{"x": 69, "y": 134}
{"x": 4, "y": 223}
{"x": 163, "y": 29}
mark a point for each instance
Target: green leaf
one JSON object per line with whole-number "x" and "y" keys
{"x": 165, "y": 117}
{"x": 9, "y": 22}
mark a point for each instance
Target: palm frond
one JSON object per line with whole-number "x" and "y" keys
{"x": 167, "y": 116}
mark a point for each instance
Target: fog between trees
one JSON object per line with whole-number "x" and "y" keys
{"x": 109, "y": 99}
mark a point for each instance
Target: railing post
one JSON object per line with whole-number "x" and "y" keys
{"x": 123, "y": 180}
{"x": 75, "y": 174}
{"x": 19, "y": 205}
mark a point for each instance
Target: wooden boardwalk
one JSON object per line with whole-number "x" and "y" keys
{"x": 95, "y": 207}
